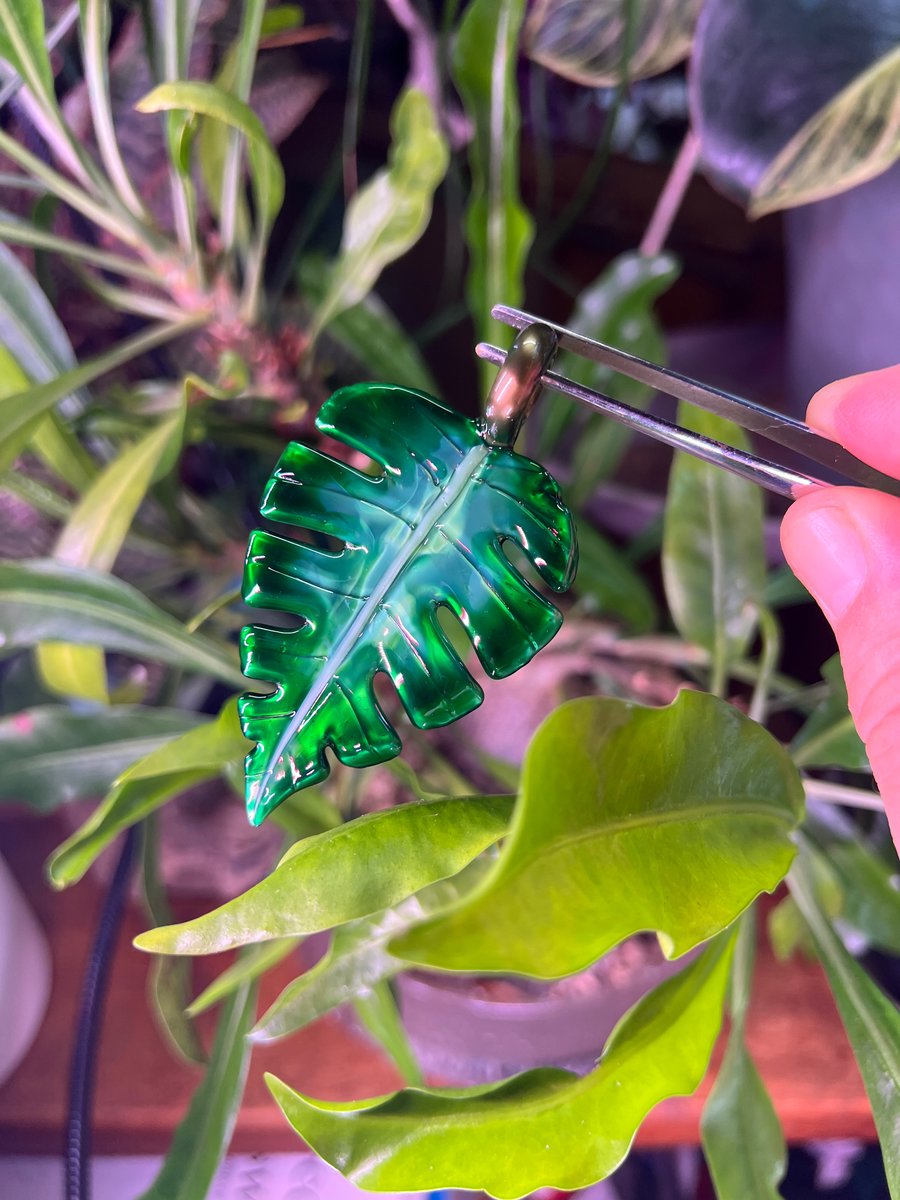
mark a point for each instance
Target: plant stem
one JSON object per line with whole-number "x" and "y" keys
{"x": 770, "y": 631}
{"x": 360, "y": 52}
{"x": 248, "y": 42}
{"x": 22, "y": 233}
{"x": 838, "y": 793}
{"x": 670, "y": 198}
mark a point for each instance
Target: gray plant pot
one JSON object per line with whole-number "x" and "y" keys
{"x": 844, "y": 286}
{"x": 468, "y": 1031}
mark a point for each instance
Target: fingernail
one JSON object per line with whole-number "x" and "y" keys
{"x": 833, "y": 565}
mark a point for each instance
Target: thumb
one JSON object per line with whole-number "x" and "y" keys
{"x": 844, "y": 546}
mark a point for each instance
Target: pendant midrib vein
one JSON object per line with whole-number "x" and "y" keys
{"x": 405, "y": 553}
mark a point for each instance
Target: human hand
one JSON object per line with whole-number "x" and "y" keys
{"x": 843, "y": 544}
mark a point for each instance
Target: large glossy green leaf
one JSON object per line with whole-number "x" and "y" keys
{"x": 370, "y": 333}
{"x": 872, "y": 1021}
{"x": 199, "y": 754}
{"x": 498, "y": 228}
{"x": 622, "y": 811}
{"x": 617, "y": 308}
{"x": 390, "y": 212}
{"x": 208, "y": 100}
{"x": 852, "y": 139}
{"x": 202, "y": 1138}
{"x": 714, "y": 564}
{"x": 358, "y": 958}
{"x": 586, "y": 40}
{"x": 346, "y": 873}
{"x": 42, "y": 600}
{"x": 93, "y": 536}
{"x": 545, "y": 1128}
{"x": 427, "y": 531}
{"x": 54, "y": 755}
{"x": 829, "y": 737}
{"x": 742, "y": 1137}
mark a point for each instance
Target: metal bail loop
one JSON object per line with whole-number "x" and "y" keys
{"x": 517, "y": 385}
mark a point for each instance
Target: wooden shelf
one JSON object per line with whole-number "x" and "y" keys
{"x": 794, "y": 1033}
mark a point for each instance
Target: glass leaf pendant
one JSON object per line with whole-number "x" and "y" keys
{"x": 427, "y": 531}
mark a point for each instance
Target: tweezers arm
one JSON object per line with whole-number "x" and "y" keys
{"x": 775, "y": 478}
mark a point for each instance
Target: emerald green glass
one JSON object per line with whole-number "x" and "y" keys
{"x": 427, "y": 531}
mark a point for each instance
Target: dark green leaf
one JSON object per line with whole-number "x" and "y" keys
{"x": 545, "y": 1128}
{"x": 829, "y": 737}
{"x": 42, "y": 600}
{"x": 714, "y": 564}
{"x": 54, "y": 755}
{"x": 346, "y": 873}
{"x": 650, "y": 801}
{"x": 202, "y": 1138}
{"x": 585, "y": 40}
{"x": 199, "y": 754}
{"x": 498, "y": 228}
{"x": 867, "y": 896}
{"x": 872, "y": 1021}
{"x": 389, "y": 213}
{"x": 610, "y": 583}
{"x": 428, "y": 531}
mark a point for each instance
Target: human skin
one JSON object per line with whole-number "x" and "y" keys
{"x": 843, "y": 544}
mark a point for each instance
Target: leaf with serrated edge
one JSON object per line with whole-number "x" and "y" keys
{"x": 667, "y": 819}
{"x": 544, "y": 1128}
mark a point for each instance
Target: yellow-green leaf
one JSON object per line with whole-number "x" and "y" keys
{"x": 853, "y": 138}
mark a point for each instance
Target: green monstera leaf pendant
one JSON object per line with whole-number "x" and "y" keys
{"x": 426, "y": 531}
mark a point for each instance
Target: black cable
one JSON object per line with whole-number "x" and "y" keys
{"x": 83, "y": 1067}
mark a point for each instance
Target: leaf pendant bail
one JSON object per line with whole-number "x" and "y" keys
{"x": 518, "y": 383}
{"x": 425, "y": 532}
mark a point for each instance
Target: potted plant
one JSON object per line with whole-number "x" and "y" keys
{"x": 621, "y": 818}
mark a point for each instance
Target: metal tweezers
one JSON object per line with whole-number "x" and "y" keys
{"x": 788, "y": 432}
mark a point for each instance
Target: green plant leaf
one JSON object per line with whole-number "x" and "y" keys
{"x": 853, "y": 138}
{"x": 611, "y": 585}
{"x": 207, "y": 100}
{"x": 202, "y": 1138}
{"x": 714, "y": 565}
{"x": 54, "y": 755}
{"x": 584, "y": 40}
{"x": 427, "y": 532}
{"x": 856, "y": 884}
{"x": 199, "y": 754}
{"x": 370, "y": 333}
{"x": 357, "y": 958}
{"x": 19, "y": 412}
{"x": 829, "y": 737}
{"x": 742, "y": 1137}
{"x": 320, "y": 883}
{"x": 246, "y": 967}
{"x": 22, "y": 43}
{"x": 93, "y": 536}
{"x": 617, "y": 308}
{"x": 528, "y": 1132}
{"x": 651, "y": 800}
{"x": 389, "y": 213}
{"x": 42, "y": 600}
{"x": 872, "y": 1020}
{"x": 499, "y": 230}
{"x": 378, "y": 1013}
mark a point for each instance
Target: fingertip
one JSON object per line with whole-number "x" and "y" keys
{"x": 862, "y": 413}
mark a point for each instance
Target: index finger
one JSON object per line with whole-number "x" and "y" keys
{"x": 862, "y": 413}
